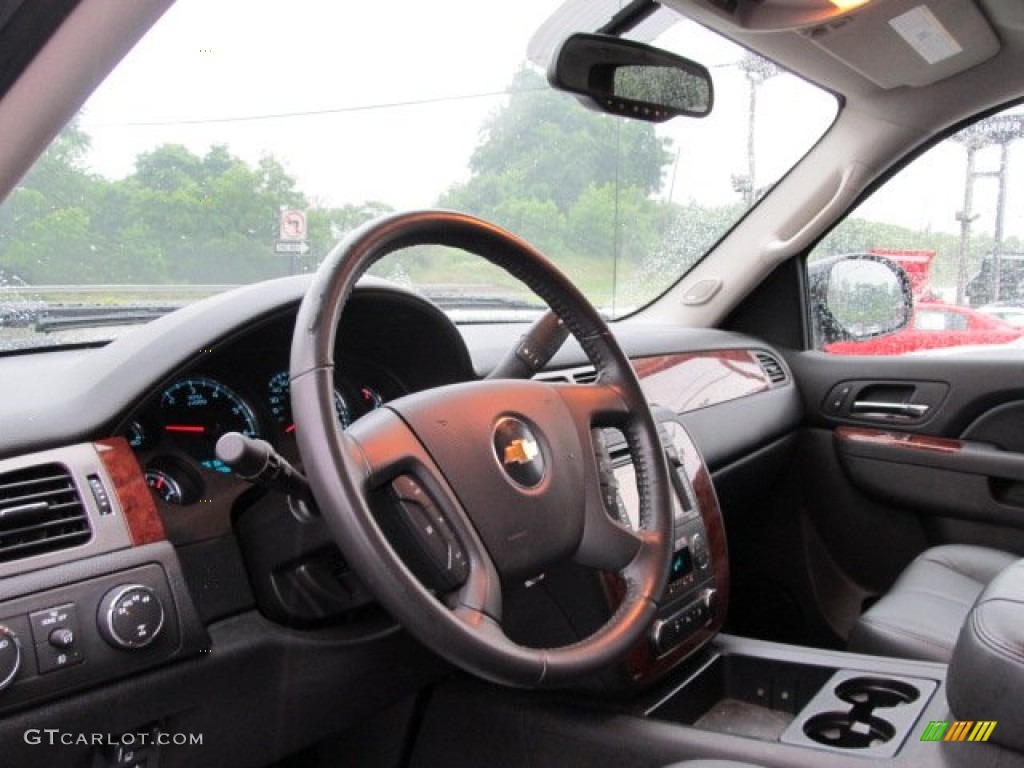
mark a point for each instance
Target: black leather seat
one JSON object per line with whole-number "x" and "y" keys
{"x": 921, "y": 615}
{"x": 711, "y": 764}
{"x": 986, "y": 674}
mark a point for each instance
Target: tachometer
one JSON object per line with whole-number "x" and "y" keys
{"x": 280, "y": 404}
{"x": 198, "y": 410}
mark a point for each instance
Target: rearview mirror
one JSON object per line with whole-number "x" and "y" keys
{"x": 624, "y": 77}
{"x": 858, "y": 296}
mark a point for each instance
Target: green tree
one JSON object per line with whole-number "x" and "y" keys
{"x": 178, "y": 217}
{"x": 546, "y": 146}
{"x": 573, "y": 182}
{"x": 45, "y": 224}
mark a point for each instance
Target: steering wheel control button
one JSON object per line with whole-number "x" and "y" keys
{"x": 518, "y": 452}
{"x": 130, "y": 616}
{"x": 10, "y": 656}
{"x": 421, "y": 533}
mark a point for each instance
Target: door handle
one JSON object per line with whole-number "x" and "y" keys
{"x": 881, "y": 408}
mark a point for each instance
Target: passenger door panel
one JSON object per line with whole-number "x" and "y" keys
{"x": 965, "y": 479}
{"x": 880, "y": 487}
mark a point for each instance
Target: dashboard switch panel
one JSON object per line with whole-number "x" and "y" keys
{"x": 56, "y": 633}
{"x": 51, "y": 642}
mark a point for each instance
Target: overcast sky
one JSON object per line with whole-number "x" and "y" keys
{"x": 310, "y": 80}
{"x": 202, "y": 63}
{"x": 248, "y": 58}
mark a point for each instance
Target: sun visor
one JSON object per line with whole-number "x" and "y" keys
{"x": 908, "y": 42}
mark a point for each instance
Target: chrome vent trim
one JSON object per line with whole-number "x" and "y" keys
{"x": 583, "y": 375}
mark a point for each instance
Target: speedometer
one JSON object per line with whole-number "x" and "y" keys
{"x": 280, "y": 404}
{"x": 197, "y": 411}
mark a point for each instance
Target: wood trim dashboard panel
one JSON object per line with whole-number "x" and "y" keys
{"x": 693, "y": 380}
{"x": 683, "y": 383}
{"x": 140, "y": 514}
{"x": 642, "y": 664}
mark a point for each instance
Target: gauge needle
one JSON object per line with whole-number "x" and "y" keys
{"x": 289, "y": 429}
{"x": 194, "y": 429}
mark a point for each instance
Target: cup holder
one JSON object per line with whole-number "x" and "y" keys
{"x": 864, "y": 713}
{"x": 842, "y": 730}
{"x": 876, "y": 692}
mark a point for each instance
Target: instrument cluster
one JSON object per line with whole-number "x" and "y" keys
{"x": 389, "y": 343}
{"x": 176, "y": 431}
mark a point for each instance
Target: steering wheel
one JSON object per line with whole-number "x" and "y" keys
{"x": 498, "y": 478}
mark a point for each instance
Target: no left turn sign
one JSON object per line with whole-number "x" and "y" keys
{"x": 293, "y": 225}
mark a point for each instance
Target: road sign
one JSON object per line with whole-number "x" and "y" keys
{"x": 293, "y": 225}
{"x": 291, "y": 246}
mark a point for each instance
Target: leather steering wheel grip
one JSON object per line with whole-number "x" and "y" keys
{"x": 445, "y": 438}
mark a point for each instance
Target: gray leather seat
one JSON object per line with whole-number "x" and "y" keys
{"x": 921, "y": 615}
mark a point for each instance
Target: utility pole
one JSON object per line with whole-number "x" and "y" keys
{"x": 998, "y": 130}
{"x": 965, "y": 216}
{"x": 756, "y": 69}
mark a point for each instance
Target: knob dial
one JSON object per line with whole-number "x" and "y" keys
{"x": 10, "y": 656}
{"x": 131, "y": 616}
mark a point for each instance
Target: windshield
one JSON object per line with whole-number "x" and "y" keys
{"x": 239, "y": 141}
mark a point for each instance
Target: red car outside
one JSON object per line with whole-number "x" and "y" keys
{"x": 935, "y": 324}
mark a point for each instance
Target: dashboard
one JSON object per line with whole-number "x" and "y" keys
{"x": 241, "y": 583}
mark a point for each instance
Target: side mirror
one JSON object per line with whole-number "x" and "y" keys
{"x": 858, "y": 296}
{"x": 631, "y": 79}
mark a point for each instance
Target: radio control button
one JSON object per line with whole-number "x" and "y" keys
{"x": 699, "y": 548}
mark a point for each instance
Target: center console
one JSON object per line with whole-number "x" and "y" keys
{"x": 697, "y": 594}
{"x": 821, "y": 703}
{"x": 801, "y": 701}
{"x": 735, "y": 699}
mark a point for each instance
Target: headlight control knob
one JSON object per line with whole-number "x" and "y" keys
{"x": 131, "y": 616}
{"x": 10, "y": 656}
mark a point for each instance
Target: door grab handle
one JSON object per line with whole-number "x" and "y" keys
{"x": 911, "y": 410}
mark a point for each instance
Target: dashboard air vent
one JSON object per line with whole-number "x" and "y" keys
{"x": 584, "y": 376}
{"x": 772, "y": 368}
{"x": 40, "y": 511}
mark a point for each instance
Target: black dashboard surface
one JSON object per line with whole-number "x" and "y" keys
{"x": 66, "y": 396}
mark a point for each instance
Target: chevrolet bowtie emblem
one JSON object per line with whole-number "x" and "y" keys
{"x": 521, "y": 451}
{"x": 518, "y": 451}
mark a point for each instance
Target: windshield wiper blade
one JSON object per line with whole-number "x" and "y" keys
{"x": 69, "y": 318}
